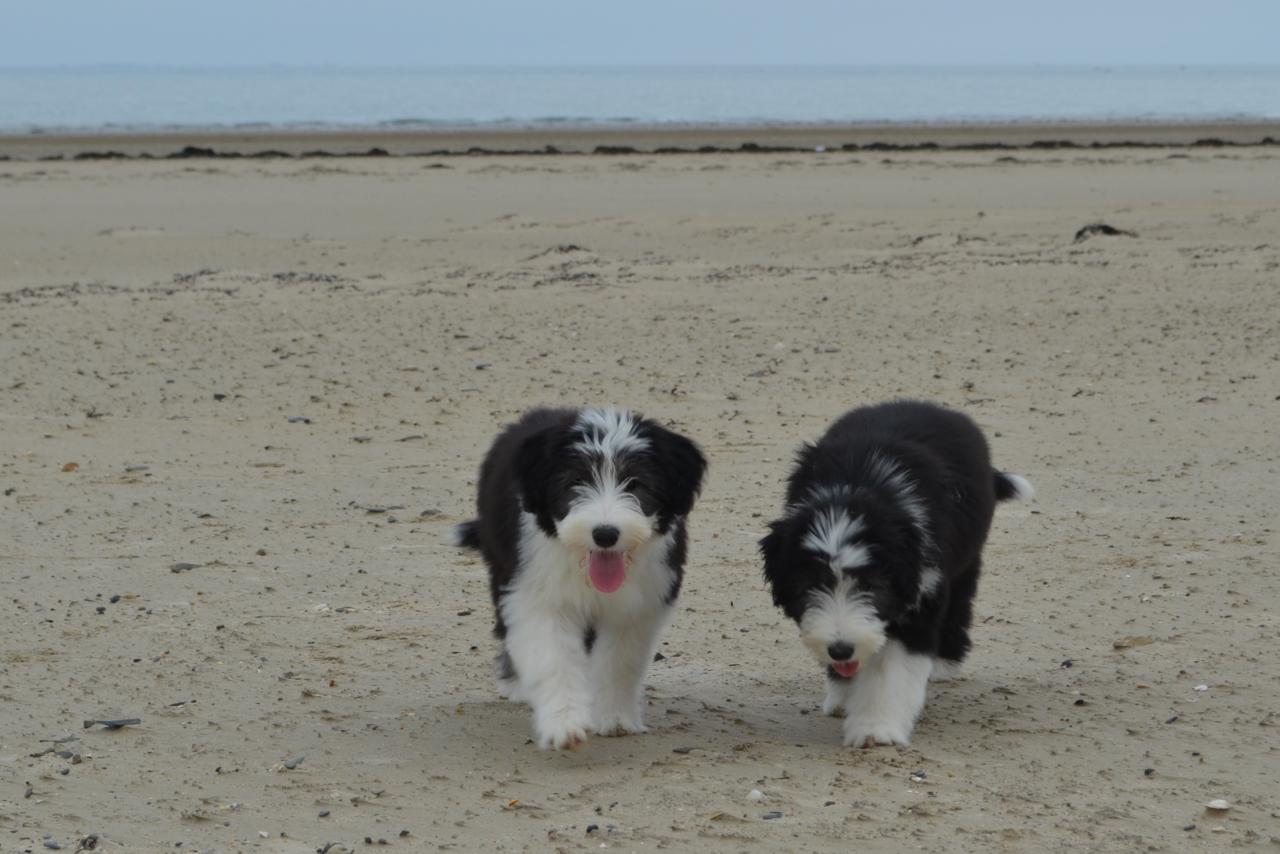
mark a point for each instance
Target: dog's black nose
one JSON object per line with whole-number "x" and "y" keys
{"x": 840, "y": 651}
{"x": 604, "y": 535}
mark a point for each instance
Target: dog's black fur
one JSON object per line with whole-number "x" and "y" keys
{"x": 877, "y": 557}
{"x": 533, "y": 467}
{"x": 945, "y": 462}
{"x": 582, "y": 524}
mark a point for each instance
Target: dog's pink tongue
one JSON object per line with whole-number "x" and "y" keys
{"x": 607, "y": 571}
{"x": 845, "y": 668}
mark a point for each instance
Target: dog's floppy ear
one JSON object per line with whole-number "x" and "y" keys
{"x": 771, "y": 551}
{"x": 682, "y": 466}
{"x": 776, "y": 571}
{"x": 535, "y": 467}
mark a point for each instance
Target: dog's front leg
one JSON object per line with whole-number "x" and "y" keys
{"x": 551, "y": 663}
{"x": 619, "y": 661}
{"x": 886, "y": 697}
{"x": 838, "y": 689}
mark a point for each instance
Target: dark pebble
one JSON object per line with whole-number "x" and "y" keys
{"x": 362, "y": 439}
{"x": 404, "y": 833}
{"x": 114, "y": 599}
{"x": 219, "y": 396}
{"x": 299, "y": 419}
{"x": 52, "y": 843}
{"x": 1148, "y": 771}
{"x": 770, "y": 816}
{"x": 829, "y": 803}
{"x": 101, "y": 609}
{"x": 183, "y": 567}
{"x": 368, "y": 840}
{"x": 1172, "y": 719}
{"x": 1102, "y": 228}
{"x": 684, "y": 751}
{"x": 114, "y": 724}
{"x": 1080, "y": 702}
{"x": 1067, "y": 664}
{"x": 294, "y": 762}
{"x": 1189, "y": 827}
{"x": 324, "y": 813}
{"x": 64, "y": 771}
{"x": 592, "y": 828}
{"x": 657, "y": 656}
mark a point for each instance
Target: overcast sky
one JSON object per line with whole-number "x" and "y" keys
{"x": 638, "y": 32}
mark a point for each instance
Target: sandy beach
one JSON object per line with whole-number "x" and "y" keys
{"x": 243, "y": 401}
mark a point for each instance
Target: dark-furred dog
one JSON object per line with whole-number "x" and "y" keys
{"x": 582, "y": 523}
{"x": 877, "y": 556}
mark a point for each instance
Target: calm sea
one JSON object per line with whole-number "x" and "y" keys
{"x": 153, "y": 99}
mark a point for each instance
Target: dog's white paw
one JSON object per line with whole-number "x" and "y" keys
{"x": 620, "y": 727}
{"x": 563, "y": 729}
{"x": 509, "y": 689}
{"x": 833, "y": 705}
{"x": 869, "y": 733}
{"x": 626, "y": 722}
{"x": 944, "y": 670}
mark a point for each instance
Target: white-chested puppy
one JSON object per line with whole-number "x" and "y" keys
{"x": 877, "y": 556}
{"x": 582, "y": 524}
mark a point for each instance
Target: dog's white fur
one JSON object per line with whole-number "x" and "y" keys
{"x": 881, "y": 704}
{"x": 547, "y": 606}
{"x": 841, "y": 616}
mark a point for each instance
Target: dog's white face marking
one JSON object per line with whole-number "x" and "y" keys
{"x": 844, "y": 614}
{"x": 841, "y": 615}
{"x": 830, "y": 536}
{"x": 607, "y": 435}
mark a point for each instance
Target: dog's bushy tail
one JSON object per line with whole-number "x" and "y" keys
{"x": 1010, "y": 486}
{"x": 467, "y": 535}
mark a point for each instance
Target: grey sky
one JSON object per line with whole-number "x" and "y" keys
{"x": 638, "y": 32}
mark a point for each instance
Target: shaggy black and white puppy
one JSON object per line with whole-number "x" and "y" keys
{"x": 582, "y": 523}
{"x": 877, "y": 555}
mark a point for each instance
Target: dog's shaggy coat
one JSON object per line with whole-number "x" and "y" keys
{"x": 877, "y": 556}
{"x": 582, "y": 524}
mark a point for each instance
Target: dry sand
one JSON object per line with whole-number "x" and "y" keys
{"x": 165, "y": 326}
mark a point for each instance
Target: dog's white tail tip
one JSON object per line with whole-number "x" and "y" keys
{"x": 1022, "y": 488}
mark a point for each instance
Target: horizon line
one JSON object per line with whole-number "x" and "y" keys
{"x": 975, "y": 66}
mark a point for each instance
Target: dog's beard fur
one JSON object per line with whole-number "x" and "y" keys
{"x": 605, "y": 501}
{"x": 842, "y": 615}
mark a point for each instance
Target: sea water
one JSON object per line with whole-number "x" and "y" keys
{"x": 152, "y": 99}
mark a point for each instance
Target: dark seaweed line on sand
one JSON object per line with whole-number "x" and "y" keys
{"x": 194, "y": 152}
